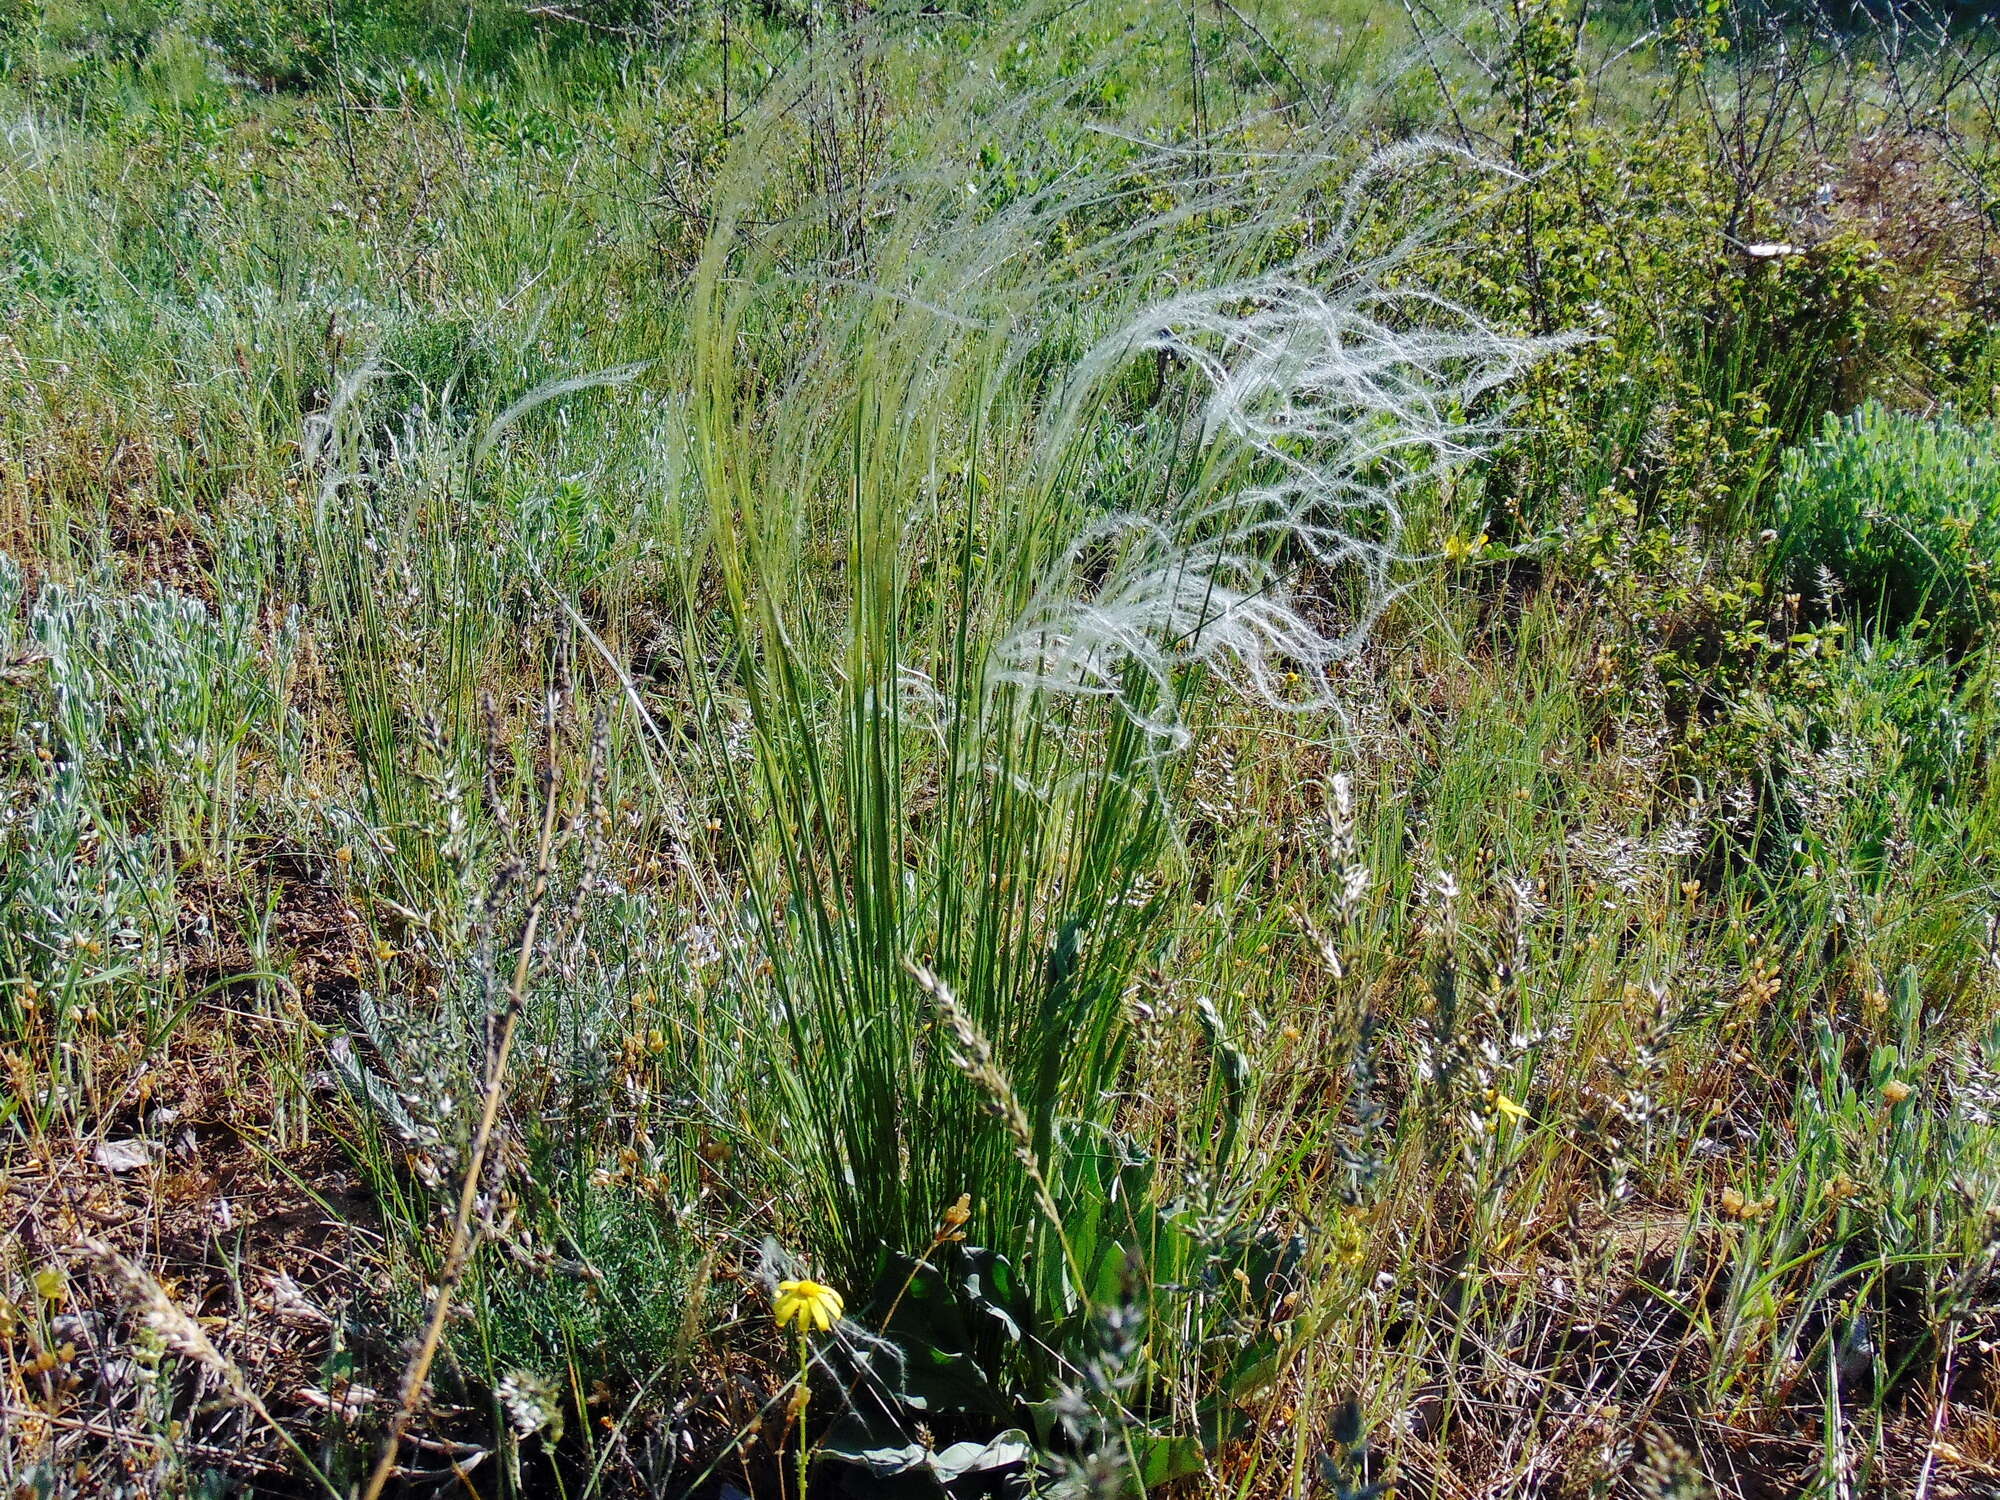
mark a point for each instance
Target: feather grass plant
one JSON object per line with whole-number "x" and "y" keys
{"x": 964, "y": 756}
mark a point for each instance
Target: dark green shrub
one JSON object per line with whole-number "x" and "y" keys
{"x": 1902, "y": 511}
{"x": 295, "y": 44}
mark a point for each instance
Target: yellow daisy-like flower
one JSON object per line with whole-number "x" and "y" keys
{"x": 808, "y": 1304}
{"x": 1505, "y": 1106}
{"x": 1458, "y": 549}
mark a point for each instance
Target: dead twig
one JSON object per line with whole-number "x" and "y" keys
{"x": 459, "y": 1255}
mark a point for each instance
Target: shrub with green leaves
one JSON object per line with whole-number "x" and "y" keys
{"x": 1900, "y": 513}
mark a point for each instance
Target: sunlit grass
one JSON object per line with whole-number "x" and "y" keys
{"x": 1127, "y": 900}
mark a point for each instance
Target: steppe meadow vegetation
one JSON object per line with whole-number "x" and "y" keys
{"x": 760, "y": 748}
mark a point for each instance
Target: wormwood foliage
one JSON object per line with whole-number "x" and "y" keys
{"x": 1074, "y": 750}
{"x": 1902, "y": 512}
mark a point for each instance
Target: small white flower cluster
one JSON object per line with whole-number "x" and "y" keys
{"x": 533, "y": 1404}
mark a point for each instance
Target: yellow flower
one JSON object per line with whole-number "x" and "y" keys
{"x": 807, "y": 1303}
{"x": 1506, "y": 1106}
{"x": 1458, "y": 549}
{"x": 1736, "y": 1206}
{"x": 955, "y": 1218}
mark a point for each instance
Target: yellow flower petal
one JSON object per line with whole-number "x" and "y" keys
{"x": 808, "y": 1304}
